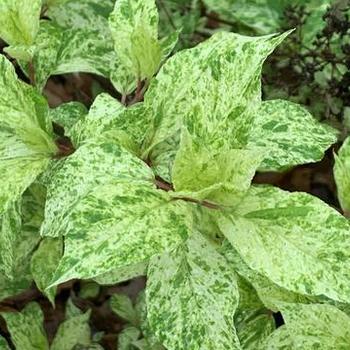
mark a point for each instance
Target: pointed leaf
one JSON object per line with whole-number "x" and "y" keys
{"x": 191, "y": 298}
{"x": 342, "y": 175}
{"x": 134, "y": 27}
{"x": 26, "y": 328}
{"x": 294, "y": 239}
{"x": 26, "y": 134}
{"x": 280, "y": 339}
{"x": 290, "y": 135}
{"x": 3, "y": 344}
{"x": 126, "y": 338}
{"x": 226, "y": 72}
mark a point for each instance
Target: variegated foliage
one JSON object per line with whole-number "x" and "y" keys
{"x": 164, "y": 188}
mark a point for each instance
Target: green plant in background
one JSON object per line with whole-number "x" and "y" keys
{"x": 160, "y": 184}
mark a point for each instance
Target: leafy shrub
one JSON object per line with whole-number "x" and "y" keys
{"x": 159, "y": 183}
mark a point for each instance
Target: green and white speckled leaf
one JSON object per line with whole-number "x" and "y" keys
{"x": 126, "y": 125}
{"x": 220, "y": 176}
{"x": 122, "y": 274}
{"x": 192, "y": 296}
{"x": 79, "y": 14}
{"x": 26, "y": 139}
{"x": 20, "y": 230}
{"x": 67, "y": 114}
{"x": 253, "y": 327}
{"x": 3, "y": 344}
{"x": 134, "y": 27}
{"x": 59, "y": 50}
{"x": 214, "y": 89}
{"x": 119, "y": 224}
{"x": 19, "y": 21}
{"x": 122, "y": 305}
{"x": 294, "y": 239}
{"x": 73, "y": 331}
{"x": 95, "y": 164}
{"x": 316, "y": 326}
{"x": 290, "y": 135}
{"x": 26, "y": 328}
{"x": 280, "y": 339}
{"x": 253, "y": 321}
{"x": 342, "y": 175}
{"x": 44, "y": 263}
{"x": 268, "y": 293}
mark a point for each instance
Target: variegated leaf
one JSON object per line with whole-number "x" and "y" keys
{"x": 268, "y": 293}
{"x": 127, "y": 125}
{"x": 72, "y": 332}
{"x": 253, "y": 322}
{"x": 192, "y": 297}
{"x": 290, "y": 135}
{"x": 26, "y": 135}
{"x": 316, "y": 326}
{"x": 134, "y": 27}
{"x": 19, "y": 21}
{"x": 342, "y": 176}
{"x": 20, "y": 230}
{"x": 225, "y": 71}
{"x": 280, "y": 339}
{"x": 122, "y": 274}
{"x": 122, "y": 305}
{"x": 77, "y": 14}
{"x": 294, "y": 239}
{"x": 67, "y": 114}
{"x": 119, "y": 224}
{"x": 44, "y": 263}
{"x": 96, "y": 163}
{"x": 26, "y": 328}
{"x": 59, "y": 50}
{"x": 220, "y": 176}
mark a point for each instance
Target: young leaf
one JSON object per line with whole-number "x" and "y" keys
{"x": 134, "y": 27}
{"x": 73, "y": 331}
{"x": 127, "y": 125}
{"x": 221, "y": 176}
{"x": 219, "y": 111}
{"x": 26, "y": 328}
{"x": 44, "y": 263}
{"x": 290, "y": 135}
{"x": 26, "y": 135}
{"x": 316, "y": 326}
{"x": 342, "y": 175}
{"x": 19, "y": 21}
{"x": 294, "y": 239}
{"x": 122, "y": 305}
{"x": 191, "y": 297}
